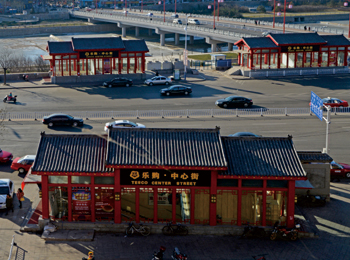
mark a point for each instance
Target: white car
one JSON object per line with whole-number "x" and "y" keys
{"x": 125, "y": 12}
{"x": 158, "y": 80}
{"x": 123, "y": 124}
{"x": 6, "y": 187}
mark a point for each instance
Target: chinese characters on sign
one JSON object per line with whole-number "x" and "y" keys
{"x": 300, "y": 48}
{"x": 164, "y": 177}
{"x": 98, "y": 54}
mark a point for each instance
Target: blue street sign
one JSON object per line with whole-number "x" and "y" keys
{"x": 316, "y": 105}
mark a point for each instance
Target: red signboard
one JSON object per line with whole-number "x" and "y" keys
{"x": 104, "y": 202}
{"x": 81, "y": 202}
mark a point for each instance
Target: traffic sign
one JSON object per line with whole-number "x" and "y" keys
{"x": 316, "y": 105}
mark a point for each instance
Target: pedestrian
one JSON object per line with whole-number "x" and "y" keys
{"x": 256, "y": 23}
{"x": 20, "y": 197}
{"x": 309, "y": 28}
{"x": 259, "y": 22}
{"x": 305, "y": 27}
{"x": 9, "y": 203}
{"x": 157, "y": 73}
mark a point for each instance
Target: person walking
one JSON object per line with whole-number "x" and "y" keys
{"x": 9, "y": 203}
{"x": 20, "y": 197}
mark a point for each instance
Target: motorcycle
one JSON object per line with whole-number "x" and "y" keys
{"x": 7, "y": 98}
{"x": 283, "y": 232}
{"x": 177, "y": 229}
{"x": 260, "y": 257}
{"x": 177, "y": 255}
{"x": 159, "y": 255}
{"x": 250, "y": 231}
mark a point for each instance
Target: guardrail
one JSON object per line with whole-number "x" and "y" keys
{"x": 184, "y": 113}
{"x": 295, "y": 72}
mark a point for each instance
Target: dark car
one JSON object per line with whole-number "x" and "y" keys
{"x": 62, "y": 119}
{"x": 234, "y": 101}
{"x": 245, "y": 134}
{"x": 176, "y": 90}
{"x": 339, "y": 170}
{"x": 117, "y": 82}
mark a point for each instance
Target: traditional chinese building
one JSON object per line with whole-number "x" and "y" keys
{"x": 193, "y": 176}
{"x": 96, "y": 56}
{"x": 293, "y": 50}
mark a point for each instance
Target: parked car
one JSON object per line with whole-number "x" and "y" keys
{"x": 340, "y": 170}
{"x": 123, "y": 124}
{"x": 150, "y": 14}
{"x": 23, "y": 164}
{"x": 6, "y": 187}
{"x": 245, "y": 134}
{"x": 158, "y": 80}
{"x": 117, "y": 82}
{"x": 62, "y": 119}
{"x": 175, "y": 16}
{"x": 125, "y": 12}
{"x": 193, "y": 21}
{"x": 234, "y": 101}
{"x": 176, "y": 90}
{"x": 5, "y": 156}
{"x": 334, "y": 102}
{"x": 177, "y": 21}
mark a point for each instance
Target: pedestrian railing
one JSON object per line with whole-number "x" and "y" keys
{"x": 296, "y": 72}
{"x": 184, "y": 113}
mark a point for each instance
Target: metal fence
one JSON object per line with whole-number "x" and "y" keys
{"x": 185, "y": 113}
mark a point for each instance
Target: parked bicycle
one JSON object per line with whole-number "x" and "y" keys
{"x": 143, "y": 230}
{"x": 175, "y": 229}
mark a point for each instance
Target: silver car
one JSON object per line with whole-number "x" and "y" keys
{"x": 158, "y": 80}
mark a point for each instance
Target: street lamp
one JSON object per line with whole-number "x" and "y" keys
{"x": 185, "y": 52}
{"x": 346, "y": 4}
{"x": 284, "y": 18}
{"x": 214, "y": 16}
{"x": 219, "y": 1}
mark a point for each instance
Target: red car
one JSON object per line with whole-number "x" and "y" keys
{"x": 340, "y": 170}
{"x": 335, "y": 102}
{"x": 23, "y": 164}
{"x": 5, "y": 156}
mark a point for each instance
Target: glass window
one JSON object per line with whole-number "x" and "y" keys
{"x": 333, "y": 49}
{"x": 252, "y": 207}
{"x": 265, "y": 51}
{"x": 58, "y": 199}
{"x": 307, "y": 59}
{"x": 226, "y": 207}
{"x": 201, "y": 209}
{"x": 252, "y": 183}
{"x": 324, "y": 49}
{"x": 314, "y": 59}
{"x": 299, "y": 61}
{"x": 81, "y": 179}
{"x": 341, "y": 48}
{"x": 291, "y": 60}
{"x": 73, "y": 56}
{"x": 256, "y": 61}
{"x": 139, "y": 54}
{"x": 164, "y": 205}
{"x": 124, "y": 55}
{"x": 273, "y": 60}
{"x": 332, "y": 58}
{"x": 65, "y": 57}
{"x": 227, "y": 183}
{"x": 265, "y": 61}
{"x": 57, "y": 57}
{"x": 81, "y": 204}
{"x": 341, "y": 55}
{"x": 146, "y": 206}
{"x": 276, "y": 207}
{"x": 128, "y": 200}
{"x": 324, "y": 59}
{"x": 58, "y": 179}
{"x": 257, "y": 51}
{"x": 277, "y": 184}
{"x": 131, "y": 54}
{"x": 274, "y": 50}
{"x": 104, "y": 180}
{"x": 183, "y": 205}
{"x": 283, "y": 60}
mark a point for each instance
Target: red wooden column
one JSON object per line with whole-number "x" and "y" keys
{"x": 77, "y": 62}
{"x": 120, "y": 64}
{"x": 212, "y": 205}
{"x": 155, "y": 205}
{"x": 174, "y": 205}
{"x": 264, "y": 203}
{"x": 143, "y": 63}
{"x": 128, "y": 64}
{"x": 193, "y": 192}
{"x": 346, "y": 57}
{"x": 69, "y": 189}
{"x": 239, "y": 203}
{"x": 61, "y": 63}
{"x": 290, "y": 205}
{"x": 117, "y": 203}
{"x": 251, "y": 60}
{"x": 45, "y": 196}
{"x": 94, "y": 66}
{"x": 135, "y": 63}
{"x": 93, "y": 211}
{"x": 137, "y": 205}
{"x": 53, "y": 66}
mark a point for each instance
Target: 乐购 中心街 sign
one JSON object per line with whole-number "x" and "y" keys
{"x": 164, "y": 177}
{"x": 300, "y": 48}
{"x": 98, "y": 54}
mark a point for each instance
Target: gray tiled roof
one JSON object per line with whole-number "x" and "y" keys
{"x": 135, "y": 45}
{"x": 297, "y": 38}
{"x": 100, "y": 43}
{"x": 165, "y": 147}
{"x": 262, "y": 156}
{"x": 60, "y": 47}
{"x": 336, "y": 40}
{"x": 260, "y": 42}
{"x": 314, "y": 157}
{"x": 70, "y": 153}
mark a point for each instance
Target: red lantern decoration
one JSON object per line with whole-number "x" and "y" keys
{"x": 345, "y": 3}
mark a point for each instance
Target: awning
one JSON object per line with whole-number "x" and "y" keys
{"x": 305, "y": 184}
{"x": 31, "y": 179}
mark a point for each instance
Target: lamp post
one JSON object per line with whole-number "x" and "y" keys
{"x": 284, "y": 17}
{"x": 274, "y": 12}
{"x": 126, "y": 9}
{"x": 5, "y": 69}
{"x": 164, "y": 10}
{"x": 96, "y": 6}
{"x": 141, "y": 6}
{"x": 175, "y": 6}
{"x": 346, "y": 4}
{"x": 219, "y": 1}
{"x": 214, "y": 16}
{"x": 185, "y": 52}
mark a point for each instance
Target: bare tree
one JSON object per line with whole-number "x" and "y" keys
{"x": 6, "y": 55}
{"x": 40, "y": 64}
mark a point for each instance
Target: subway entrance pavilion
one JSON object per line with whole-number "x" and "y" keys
{"x": 293, "y": 50}
{"x": 96, "y": 56}
{"x": 192, "y": 176}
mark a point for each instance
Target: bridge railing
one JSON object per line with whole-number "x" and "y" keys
{"x": 183, "y": 113}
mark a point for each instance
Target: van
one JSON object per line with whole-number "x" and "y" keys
{"x": 6, "y": 187}
{"x": 193, "y": 21}
{"x": 177, "y": 21}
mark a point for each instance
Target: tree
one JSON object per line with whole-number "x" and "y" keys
{"x": 261, "y": 9}
{"x": 6, "y": 56}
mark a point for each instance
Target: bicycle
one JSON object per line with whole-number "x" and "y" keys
{"x": 143, "y": 230}
{"x": 261, "y": 257}
{"x": 177, "y": 229}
